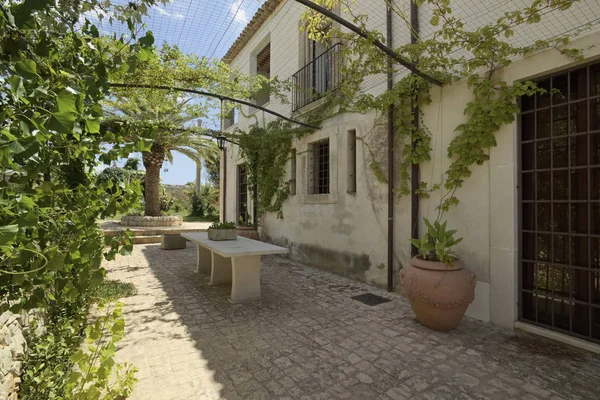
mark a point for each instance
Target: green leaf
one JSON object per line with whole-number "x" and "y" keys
{"x": 93, "y": 125}
{"x": 62, "y": 122}
{"x": 8, "y": 233}
{"x": 147, "y": 40}
{"x": 435, "y": 20}
{"x": 144, "y": 54}
{"x": 16, "y": 85}
{"x": 66, "y": 102}
{"x": 97, "y": 278}
{"x": 26, "y": 68}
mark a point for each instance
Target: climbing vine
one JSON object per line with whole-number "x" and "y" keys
{"x": 452, "y": 53}
{"x": 266, "y": 151}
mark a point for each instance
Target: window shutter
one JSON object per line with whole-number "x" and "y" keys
{"x": 351, "y": 164}
{"x": 293, "y": 172}
{"x": 310, "y": 164}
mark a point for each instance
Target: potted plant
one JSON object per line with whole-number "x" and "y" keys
{"x": 222, "y": 231}
{"x": 436, "y": 282}
{"x": 247, "y": 229}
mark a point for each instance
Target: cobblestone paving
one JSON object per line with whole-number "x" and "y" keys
{"x": 307, "y": 339}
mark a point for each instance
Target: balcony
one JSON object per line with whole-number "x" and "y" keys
{"x": 317, "y": 78}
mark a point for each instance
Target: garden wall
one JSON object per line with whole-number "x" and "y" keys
{"x": 13, "y": 329}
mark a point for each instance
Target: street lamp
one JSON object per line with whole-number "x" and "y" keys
{"x": 221, "y": 142}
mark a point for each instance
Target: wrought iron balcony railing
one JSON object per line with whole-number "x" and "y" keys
{"x": 317, "y": 78}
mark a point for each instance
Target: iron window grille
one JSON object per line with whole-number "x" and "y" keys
{"x": 242, "y": 193}
{"x": 322, "y": 166}
{"x": 559, "y": 212}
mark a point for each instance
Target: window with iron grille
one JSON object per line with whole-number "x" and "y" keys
{"x": 318, "y": 167}
{"x": 242, "y": 179}
{"x": 322, "y": 168}
{"x": 559, "y": 209}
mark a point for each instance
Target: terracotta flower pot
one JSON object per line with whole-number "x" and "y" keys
{"x": 439, "y": 294}
{"x": 250, "y": 232}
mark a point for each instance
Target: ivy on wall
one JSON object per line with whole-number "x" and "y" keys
{"x": 266, "y": 151}
{"x": 452, "y": 53}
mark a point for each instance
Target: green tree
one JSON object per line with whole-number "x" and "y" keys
{"x": 171, "y": 112}
{"x": 54, "y": 71}
{"x": 132, "y": 164}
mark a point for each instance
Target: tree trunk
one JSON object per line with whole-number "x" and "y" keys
{"x": 153, "y": 161}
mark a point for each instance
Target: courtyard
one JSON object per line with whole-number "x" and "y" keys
{"x": 306, "y": 338}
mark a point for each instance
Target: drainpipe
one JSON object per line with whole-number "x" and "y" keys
{"x": 415, "y": 170}
{"x": 224, "y": 166}
{"x": 224, "y": 188}
{"x": 390, "y": 112}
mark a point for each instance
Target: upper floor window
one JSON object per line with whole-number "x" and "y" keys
{"x": 263, "y": 67}
{"x": 320, "y": 75}
{"x": 230, "y": 119}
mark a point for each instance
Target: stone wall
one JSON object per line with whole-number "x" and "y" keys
{"x": 13, "y": 329}
{"x": 134, "y": 220}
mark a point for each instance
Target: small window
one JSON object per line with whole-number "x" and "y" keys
{"x": 351, "y": 165}
{"x": 293, "y": 172}
{"x": 230, "y": 119}
{"x": 318, "y": 167}
{"x": 242, "y": 193}
{"x": 263, "y": 67}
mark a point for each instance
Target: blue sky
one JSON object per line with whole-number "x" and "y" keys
{"x": 203, "y": 27}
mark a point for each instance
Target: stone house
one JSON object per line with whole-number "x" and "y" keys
{"x": 337, "y": 215}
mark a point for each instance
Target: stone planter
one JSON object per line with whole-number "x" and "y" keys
{"x": 250, "y": 232}
{"x": 439, "y": 294}
{"x": 137, "y": 220}
{"x": 172, "y": 241}
{"x": 222, "y": 234}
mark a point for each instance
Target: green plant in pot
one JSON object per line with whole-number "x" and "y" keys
{"x": 246, "y": 228}
{"x": 222, "y": 231}
{"x": 436, "y": 282}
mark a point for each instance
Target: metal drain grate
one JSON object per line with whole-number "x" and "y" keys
{"x": 370, "y": 299}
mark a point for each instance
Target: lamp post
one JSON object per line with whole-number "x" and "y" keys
{"x": 221, "y": 142}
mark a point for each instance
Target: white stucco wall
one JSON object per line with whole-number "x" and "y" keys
{"x": 347, "y": 233}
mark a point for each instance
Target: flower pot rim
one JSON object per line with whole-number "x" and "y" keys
{"x": 418, "y": 262}
{"x": 245, "y": 227}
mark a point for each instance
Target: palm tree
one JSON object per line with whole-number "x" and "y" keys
{"x": 182, "y": 141}
{"x": 170, "y": 112}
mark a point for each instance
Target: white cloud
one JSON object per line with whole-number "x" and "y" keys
{"x": 239, "y": 15}
{"x": 164, "y": 12}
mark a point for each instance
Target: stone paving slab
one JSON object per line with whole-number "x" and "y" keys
{"x": 307, "y": 339}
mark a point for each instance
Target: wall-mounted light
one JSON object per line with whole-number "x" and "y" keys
{"x": 221, "y": 142}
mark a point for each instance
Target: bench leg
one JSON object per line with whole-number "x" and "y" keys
{"x": 204, "y": 260}
{"x": 221, "y": 270}
{"x": 246, "y": 278}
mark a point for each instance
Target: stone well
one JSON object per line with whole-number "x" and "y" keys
{"x": 135, "y": 220}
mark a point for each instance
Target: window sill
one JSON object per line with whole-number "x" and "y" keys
{"x": 311, "y": 106}
{"x": 329, "y": 198}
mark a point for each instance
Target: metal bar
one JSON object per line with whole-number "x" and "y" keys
{"x": 365, "y": 34}
{"x": 551, "y": 204}
{"x": 415, "y": 171}
{"x": 390, "y": 133}
{"x": 217, "y": 96}
{"x": 535, "y": 178}
{"x": 589, "y": 197}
